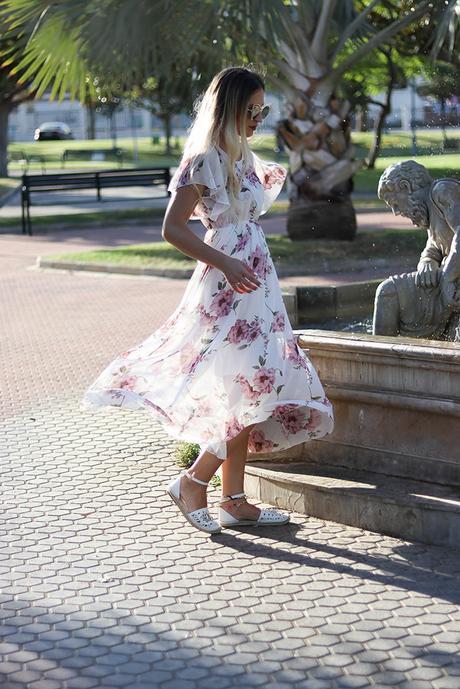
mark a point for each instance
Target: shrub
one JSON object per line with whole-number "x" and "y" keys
{"x": 185, "y": 455}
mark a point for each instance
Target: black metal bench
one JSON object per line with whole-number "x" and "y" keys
{"x": 74, "y": 181}
{"x": 25, "y": 159}
{"x": 93, "y": 154}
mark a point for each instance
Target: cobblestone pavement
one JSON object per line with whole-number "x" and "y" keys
{"x": 102, "y": 582}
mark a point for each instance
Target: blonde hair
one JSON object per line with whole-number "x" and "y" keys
{"x": 218, "y": 114}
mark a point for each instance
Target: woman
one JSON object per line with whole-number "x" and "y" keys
{"x": 224, "y": 371}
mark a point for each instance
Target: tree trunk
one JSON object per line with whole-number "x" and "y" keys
{"x": 4, "y": 115}
{"x": 322, "y": 167}
{"x": 167, "y": 121}
{"x": 113, "y": 130}
{"x": 90, "y": 122}
{"x": 385, "y": 109}
{"x": 443, "y": 123}
{"x": 377, "y": 142}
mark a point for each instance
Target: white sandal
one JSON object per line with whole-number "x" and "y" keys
{"x": 266, "y": 517}
{"x": 200, "y": 519}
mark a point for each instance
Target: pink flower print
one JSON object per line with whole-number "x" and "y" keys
{"x": 222, "y": 303}
{"x": 238, "y": 332}
{"x": 291, "y": 417}
{"x": 252, "y": 177}
{"x": 158, "y": 409}
{"x": 278, "y": 322}
{"x": 314, "y": 421}
{"x": 254, "y": 331}
{"x": 129, "y": 382}
{"x": 232, "y": 428}
{"x": 291, "y": 353}
{"x": 258, "y": 442}
{"x": 184, "y": 172}
{"x": 258, "y": 262}
{"x": 205, "y": 317}
{"x": 189, "y": 358}
{"x": 242, "y": 242}
{"x": 246, "y": 388}
{"x": 274, "y": 175}
{"x": 204, "y": 408}
{"x": 264, "y": 379}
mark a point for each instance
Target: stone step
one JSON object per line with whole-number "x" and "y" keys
{"x": 399, "y": 507}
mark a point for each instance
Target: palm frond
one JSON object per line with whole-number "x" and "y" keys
{"x": 448, "y": 25}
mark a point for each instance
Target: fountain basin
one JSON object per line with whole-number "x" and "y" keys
{"x": 392, "y": 463}
{"x": 396, "y": 402}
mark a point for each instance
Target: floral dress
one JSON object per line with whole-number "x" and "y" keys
{"x": 224, "y": 360}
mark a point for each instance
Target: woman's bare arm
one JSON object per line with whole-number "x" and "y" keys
{"x": 176, "y": 231}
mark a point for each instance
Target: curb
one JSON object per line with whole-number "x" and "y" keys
{"x": 323, "y": 267}
{"x": 177, "y": 273}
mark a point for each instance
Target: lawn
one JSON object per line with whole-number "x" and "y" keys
{"x": 396, "y": 146}
{"x": 7, "y": 184}
{"x": 285, "y": 253}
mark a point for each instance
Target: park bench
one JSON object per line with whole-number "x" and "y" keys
{"x": 24, "y": 159}
{"x": 93, "y": 154}
{"x": 98, "y": 180}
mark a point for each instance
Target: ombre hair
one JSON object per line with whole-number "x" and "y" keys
{"x": 219, "y": 112}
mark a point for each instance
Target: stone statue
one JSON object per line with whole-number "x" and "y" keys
{"x": 425, "y": 303}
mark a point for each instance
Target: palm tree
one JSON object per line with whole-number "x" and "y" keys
{"x": 308, "y": 45}
{"x": 12, "y": 94}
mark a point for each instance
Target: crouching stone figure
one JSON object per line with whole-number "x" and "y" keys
{"x": 425, "y": 303}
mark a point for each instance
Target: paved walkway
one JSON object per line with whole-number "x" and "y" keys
{"x": 104, "y": 585}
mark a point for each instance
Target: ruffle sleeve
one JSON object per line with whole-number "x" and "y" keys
{"x": 272, "y": 177}
{"x": 206, "y": 169}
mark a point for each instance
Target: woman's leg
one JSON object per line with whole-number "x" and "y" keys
{"x": 233, "y": 467}
{"x": 233, "y": 477}
{"x": 204, "y": 468}
{"x": 206, "y": 465}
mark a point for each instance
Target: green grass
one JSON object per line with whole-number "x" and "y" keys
{"x": 443, "y": 165}
{"x": 142, "y": 216}
{"x": 285, "y": 252}
{"x": 138, "y": 215}
{"x": 135, "y": 215}
{"x": 395, "y": 147}
{"x": 429, "y": 141}
{"x": 7, "y": 184}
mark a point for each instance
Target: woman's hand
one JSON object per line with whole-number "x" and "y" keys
{"x": 239, "y": 275}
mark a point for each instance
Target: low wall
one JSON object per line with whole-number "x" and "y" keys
{"x": 396, "y": 402}
{"x": 319, "y": 303}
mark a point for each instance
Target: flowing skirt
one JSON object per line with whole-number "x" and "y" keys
{"x": 223, "y": 361}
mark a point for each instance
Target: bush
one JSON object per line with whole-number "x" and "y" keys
{"x": 185, "y": 455}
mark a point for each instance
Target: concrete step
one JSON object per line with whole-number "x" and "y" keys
{"x": 399, "y": 507}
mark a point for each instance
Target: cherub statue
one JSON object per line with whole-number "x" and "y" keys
{"x": 425, "y": 303}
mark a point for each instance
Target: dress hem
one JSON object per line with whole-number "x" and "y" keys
{"x": 94, "y": 401}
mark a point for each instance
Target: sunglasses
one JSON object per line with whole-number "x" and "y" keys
{"x": 258, "y": 110}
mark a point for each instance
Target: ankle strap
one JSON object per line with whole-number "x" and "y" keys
{"x": 233, "y": 497}
{"x": 197, "y": 480}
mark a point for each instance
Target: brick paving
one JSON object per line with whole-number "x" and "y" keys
{"x": 102, "y": 582}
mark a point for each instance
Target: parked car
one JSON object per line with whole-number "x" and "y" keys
{"x": 53, "y": 131}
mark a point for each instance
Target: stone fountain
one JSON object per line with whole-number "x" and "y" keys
{"x": 392, "y": 464}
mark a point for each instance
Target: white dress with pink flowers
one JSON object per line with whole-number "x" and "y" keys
{"x": 224, "y": 360}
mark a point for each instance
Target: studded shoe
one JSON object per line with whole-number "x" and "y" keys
{"x": 266, "y": 517}
{"x": 200, "y": 519}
